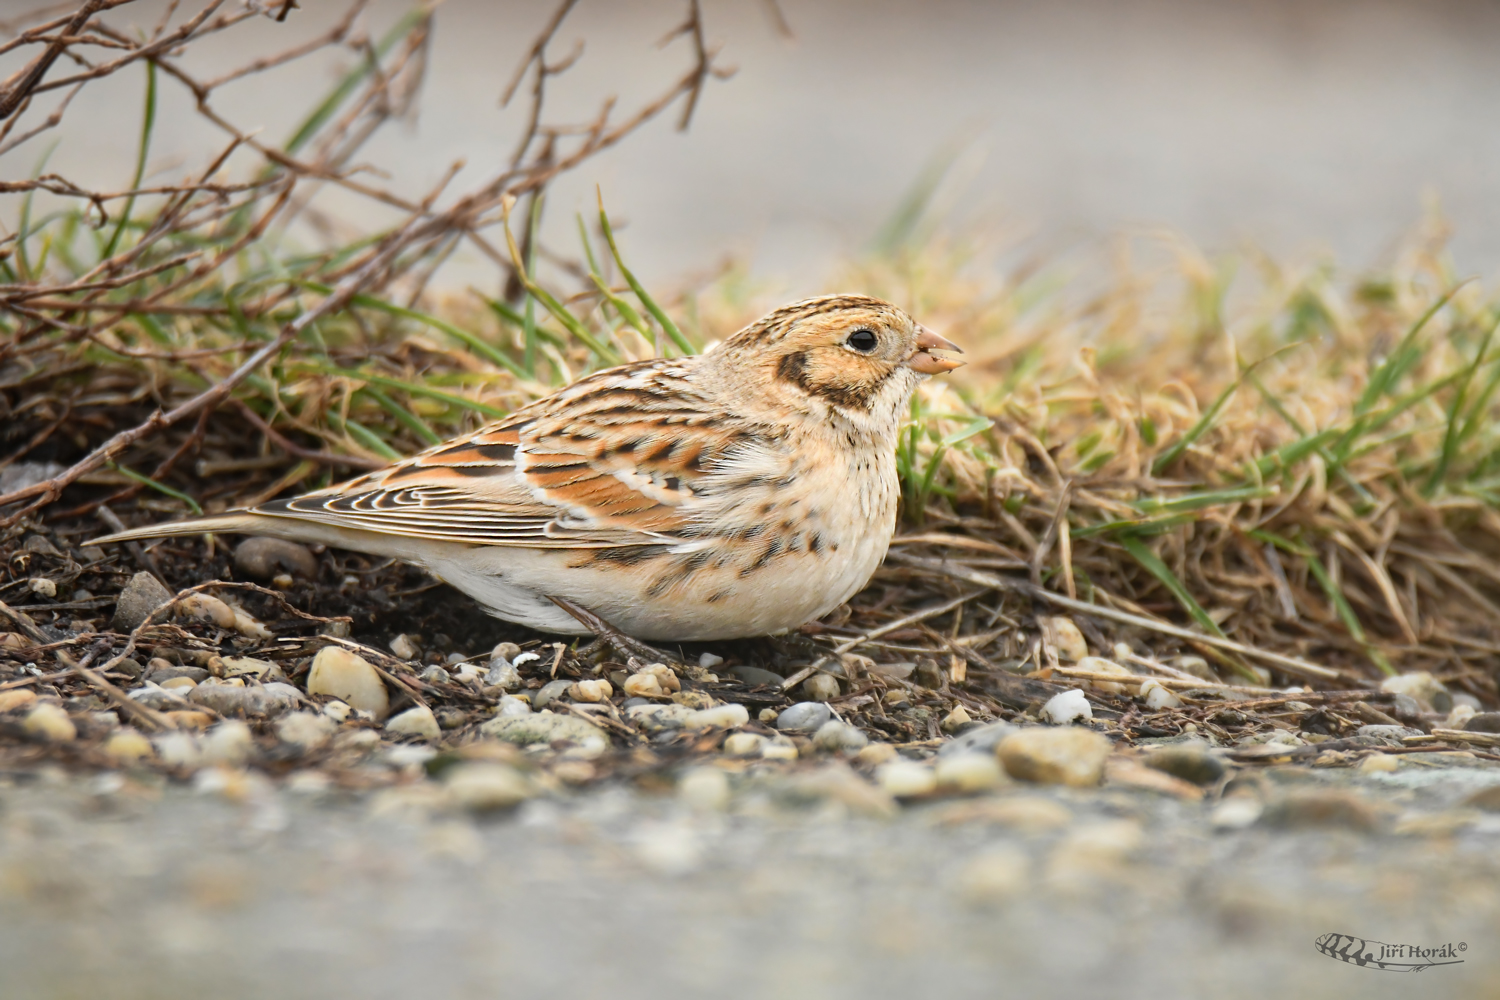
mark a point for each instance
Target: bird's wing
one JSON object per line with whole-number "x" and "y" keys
{"x": 617, "y": 459}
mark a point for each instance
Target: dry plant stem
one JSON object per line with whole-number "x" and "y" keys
{"x": 1289, "y": 664}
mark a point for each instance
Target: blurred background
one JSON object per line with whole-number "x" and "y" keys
{"x": 1300, "y": 126}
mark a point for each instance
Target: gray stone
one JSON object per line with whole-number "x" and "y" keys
{"x": 551, "y": 691}
{"x": 755, "y": 676}
{"x": 545, "y": 727}
{"x": 1484, "y": 722}
{"x": 1396, "y": 733}
{"x": 196, "y": 673}
{"x": 141, "y": 596}
{"x": 267, "y": 558}
{"x": 1188, "y": 761}
{"x": 248, "y": 699}
{"x": 804, "y": 717}
{"x": 158, "y": 698}
{"x": 980, "y": 739}
{"x": 836, "y": 737}
{"x": 653, "y": 718}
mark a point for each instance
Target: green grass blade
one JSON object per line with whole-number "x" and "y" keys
{"x": 403, "y": 416}
{"x": 147, "y": 125}
{"x": 1390, "y": 371}
{"x": 669, "y": 327}
{"x": 1452, "y": 437}
{"x": 1153, "y": 565}
{"x": 364, "y": 436}
{"x": 159, "y": 487}
{"x": 1166, "y": 458}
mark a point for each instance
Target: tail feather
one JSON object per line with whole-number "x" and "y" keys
{"x": 239, "y": 522}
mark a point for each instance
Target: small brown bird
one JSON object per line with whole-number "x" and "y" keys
{"x": 740, "y": 492}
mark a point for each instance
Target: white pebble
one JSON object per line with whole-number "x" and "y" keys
{"x": 643, "y": 685}
{"x": 177, "y": 749}
{"x": 969, "y": 772}
{"x": 206, "y": 608}
{"x": 351, "y": 678}
{"x": 483, "y": 786}
{"x": 1068, "y": 639}
{"x": 903, "y": 778}
{"x": 704, "y": 789}
{"x": 504, "y": 675}
{"x": 128, "y": 745}
{"x": 229, "y": 742}
{"x": 303, "y": 729}
{"x": 418, "y": 721}
{"x": 591, "y": 691}
{"x": 1158, "y": 697}
{"x": 1236, "y": 812}
{"x": 42, "y": 587}
{"x": 821, "y": 687}
{"x": 708, "y": 660}
{"x": 1063, "y": 708}
{"x": 837, "y": 737}
{"x": 524, "y": 658}
{"x": 744, "y": 744}
{"x": 510, "y": 705}
{"x": 779, "y": 748}
{"x": 405, "y": 647}
{"x": 249, "y": 627}
{"x": 718, "y": 717}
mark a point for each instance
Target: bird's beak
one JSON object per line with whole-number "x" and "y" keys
{"x": 928, "y": 363}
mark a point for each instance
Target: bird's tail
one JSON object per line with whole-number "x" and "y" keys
{"x": 240, "y": 522}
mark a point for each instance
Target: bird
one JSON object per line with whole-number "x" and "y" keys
{"x": 740, "y": 492}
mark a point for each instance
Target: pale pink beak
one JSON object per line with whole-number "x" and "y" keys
{"x": 931, "y": 364}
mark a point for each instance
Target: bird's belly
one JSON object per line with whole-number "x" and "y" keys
{"x": 664, "y": 596}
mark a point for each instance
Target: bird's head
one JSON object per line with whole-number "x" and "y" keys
{"x": 853, "y": 354}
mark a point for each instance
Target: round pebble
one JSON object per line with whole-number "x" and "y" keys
{"x": 968, "y": 773}
{"x": 643, "y": 685}
{"x": 42, "y": 587}
{"x": 591, "y": 691}
{"x": 820, "y": 687}
{"x": 206, "y": 608}
{"x": 1065, "y": 756}
{"x": 744, "y": 744}
{"x": 127, "y": 745}
{"x": 545, "y": 727}
{"x": 504, "y": 675}
{"x": 876, "y": 754}
{"x": 405, "y": 647}
{"x": 718, "y": 717}
{"x": 550, "y": 692}
{"x": 906, "y": 778}
{"x": 1157, "y": 697}
{"x": 510, "y": 705}
{"x": 484, "y": 786}
{"x": 418, "y": 721}
{"x": 1067, "y": 706}
{"x": 304, "y": 729}
{"x": 343, "y": 675}
{"x": 837, "y": 737}
{"x": 230, "y": 742}
{"x": 49, "y": 722}
{"x": 16, "y": 699}
{"x": 803, "y": 717}
{"x": 266, "y": 558}
{"x": 1189, "y": 761}
{"x": 779, "y": 748}
{"x": 1068, "y": 639}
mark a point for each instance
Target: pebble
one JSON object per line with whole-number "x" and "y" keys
{"x": 709, "y": 660}
{"x": 178, "y": 684}
{"x": 1068, "y": 756}
{"x": 359, "y": 740}
{"x": 1379, "y": 763}
{"x": 1420, "y": 685}
{"x": 1071, "y": 647}
{"x": 42, "y": 587}
{"x": 694, "y": 699}
{"x": 141, "y": 596}
{"x": 837, "y": 737}
{"x": 876, "y": 754}
{"x": 484, "y": 786}
{"x": 906, "y": 778}
{"x": 186, "y": 718}
{"x": 1484, "y": 722}
{"x": 405, "y": 647}
{"x": 591, "y": 691}
{"x": 744, "y": 744}
{"x": 998, "y": 874}
{"x": 305, "y": 729}
{"x": 435, "y": 674}
{"x": 230, "y": 698}
{"x": 230, "y": 742}
{"x": 836, "y": 782}
{"x": 1100, "y": 665}
{"x": 1064, "y": 707}
{"x": 503, "y": 675}
{"x": 16, "y": 699}
{"x": 820, "y": 687}
{"x": 1195, "y": 665}
{"x": 1189, "y": 761}
{"x": 982, "y": 739}
{"x": 955, "y": 720}
{"x": 1396, "y": 733}
{"x": 249, "y": 627}
{"x": 267, "y": 558}
{"x": 719, "y": 717}
{"x": 338, "y": 711}
{"x": 344, "y": 675}
{"x": 177, "y": 749}
{"x": 967, "y": 773}
{"x": 545, "y": 727}
{"x": 803, "y": 717}
{"x": 1157, "y": 697}
{"x": 779, "y": 748}
{"x": 162, "y": 671}
{"x": 511, "y": 705}
{"x": 1324, "y": 807}
{"x": 1236, "y": 812}
{"x": 49, "y": 722}
{"x": 206, "y": 608}
{"x": 643, "y": 685}
{"x": 1460, "y": 716}
{"x": 659, "y": 718}
{"x": 127, "y": 745}
{"x": 550, "y": 692}
{"x": 704, "y": 789}
{"x": 156, "y": 697}
{"x": 755, "y": 676}
{"x": 418, "y": 721}
{"x": 243, "y": 666}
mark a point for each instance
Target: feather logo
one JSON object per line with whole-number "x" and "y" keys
{"x": 1389, "y": 957}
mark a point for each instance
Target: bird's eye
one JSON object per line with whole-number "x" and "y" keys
{"x": 863, "y": 341}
